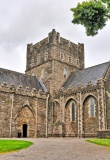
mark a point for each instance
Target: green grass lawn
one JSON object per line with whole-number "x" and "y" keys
{"x": 102, "y": 142}
{"x": 13, "y": 145}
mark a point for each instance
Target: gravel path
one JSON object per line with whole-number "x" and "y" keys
{"x": 59, "y": 149}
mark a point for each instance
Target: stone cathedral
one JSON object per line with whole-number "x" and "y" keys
{"x": 57, "y": 96}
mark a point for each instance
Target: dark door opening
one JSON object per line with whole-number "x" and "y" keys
{"x": 24, "y": 130}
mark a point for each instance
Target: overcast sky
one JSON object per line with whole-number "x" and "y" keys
{"x": 29, "y": 21}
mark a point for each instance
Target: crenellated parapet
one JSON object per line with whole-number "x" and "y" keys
{"x": 19, "y": 90}
{"x": 57, "y": 48}
{"x": 89, "y": 87}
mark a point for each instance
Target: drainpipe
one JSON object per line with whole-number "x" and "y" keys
{"x": 10, "y": 133}
{"x": 47, "y": 115}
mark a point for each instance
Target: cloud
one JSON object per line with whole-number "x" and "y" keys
{"x": 25, "y": 21}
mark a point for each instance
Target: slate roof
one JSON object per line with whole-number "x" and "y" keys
{"x": 16, "y": 78}
{"x": 88, "y": 74}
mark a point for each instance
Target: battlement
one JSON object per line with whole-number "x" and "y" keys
{"x": 55, "y": 47}
{"x": 19, "y": 90}
{"x": 89, "y": 87}
{"x": 53, "y": 38}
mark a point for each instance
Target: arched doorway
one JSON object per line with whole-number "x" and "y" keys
{"x": 26, "y": 122}
{"x": 25, "y": 130}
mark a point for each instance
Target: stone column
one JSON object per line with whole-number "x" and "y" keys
{"x": 99, "y": 109}
{"x": 62, "y": 105}
{"x": 79, "y": 105}
{"x": 81, "y": 121}
{"x": 47, "y": 115}
{"x": 101, "y": 105}
{"x": 103, "y": 109}
{"x": 11, "y": 115}
{"x": 36, "y": 105}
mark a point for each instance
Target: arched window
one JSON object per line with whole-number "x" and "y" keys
{"x": 64, "y": 73}
{"x": 92, "y": 107}
{"x": 77, "y": 61}
{"x": 42, "y": 73}
{"x": 73, "y": 112}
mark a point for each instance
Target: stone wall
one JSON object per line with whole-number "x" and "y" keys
{"x": 5, "y": 108}
{"x": 107, "y": 93}
{"x": 47, "y": 77}
{"x": 57, "y": 121}
{"x": 19, "y": 107}
{"x": 23, "y": 112}
{"x": 85, "y": 125}
{"x": 41, "y": 118}
{"x": 103, "y": 134}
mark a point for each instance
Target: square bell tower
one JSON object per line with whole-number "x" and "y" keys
{"x": 53, "y": 59}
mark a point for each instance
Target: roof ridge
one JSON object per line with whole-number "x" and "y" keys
{"x": 98, "y": 64}
{"x": 15, "y": 72}
{"x": 90, "y": 67}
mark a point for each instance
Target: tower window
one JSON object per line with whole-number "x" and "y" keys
{"x": 46, "y": 56}
{"x": 69, "y": 59}
{"x": 64, "y": 73}
{"x": 77, "y": 61}
{"x": 92, "y": 107}
{"x": 61, "y": 56}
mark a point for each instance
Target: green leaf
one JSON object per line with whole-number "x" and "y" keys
{"x": 92, "y": 14}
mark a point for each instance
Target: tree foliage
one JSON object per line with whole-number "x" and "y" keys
{"x": 92, "y": 14}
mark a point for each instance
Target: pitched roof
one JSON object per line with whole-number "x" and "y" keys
{"x": 84, "y": 76}
{"x": 16, "y": 78}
